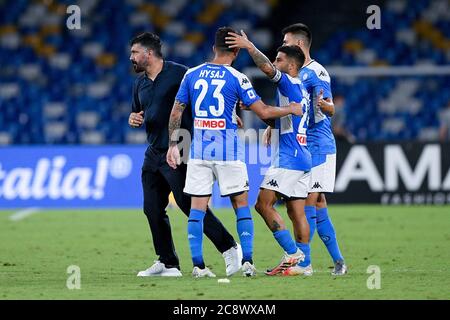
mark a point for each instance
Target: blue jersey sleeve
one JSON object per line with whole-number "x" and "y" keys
{"x": 245, "y": 90}
{"x": 183, "y": 91}
{"x": 290, "y": 88}
{"x": 321, "y": 81}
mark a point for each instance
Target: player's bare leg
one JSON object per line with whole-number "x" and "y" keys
{"x": 199, "y": 203}
{"x": 321, "y": 201}
{"x": 264, "y": 206}
{"x": 312, "y": 199}
{"x": 296, "y": 212}
{"x": 239, "y": 200}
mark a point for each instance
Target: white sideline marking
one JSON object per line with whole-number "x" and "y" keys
{"x": 22, "y": 214}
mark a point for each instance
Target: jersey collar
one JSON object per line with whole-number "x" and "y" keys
{"x": 312, "y": 60}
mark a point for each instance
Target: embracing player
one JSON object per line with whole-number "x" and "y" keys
{"x": 213, "y": 90}
{"x": 322, "y": 146}
{"x": 289, "y": 174}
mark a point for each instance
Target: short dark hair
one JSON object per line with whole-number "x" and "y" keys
{"x": 299, "y": 29}
{"x": 219, "y": 41}
{"x": 150, "y": 41}
{"x": 293, "y": 52}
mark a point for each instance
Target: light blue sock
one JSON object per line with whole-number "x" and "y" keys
{"x": 306, "y": 249}
{"x": 326, "y": 232}
{"x": 310, "y": 212}
{"x": 245, "y": 230}
{"x": 285, "y": 241}
{"x": 195, "y": 236}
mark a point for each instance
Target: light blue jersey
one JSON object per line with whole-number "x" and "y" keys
{"x": 213, "y": 91}
{"x": 292, "y": 152}
{"x": 320, "y": 135}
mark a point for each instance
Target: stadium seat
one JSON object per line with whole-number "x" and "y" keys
{"x": 64, "y": 77}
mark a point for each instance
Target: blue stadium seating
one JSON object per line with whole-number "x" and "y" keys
{"x": 88, "y": 70}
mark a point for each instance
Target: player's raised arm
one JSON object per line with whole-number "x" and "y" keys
{"x": 266, "y": 112}
{"x": 235, "y": 40}
{"x": 173, "y": 154}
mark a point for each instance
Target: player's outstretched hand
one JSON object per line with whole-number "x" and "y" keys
{"x": 136, "y": 119}
{"x": 173, "y": 156}
{"x": 296, "y": 108}
{"x": 235, "y": 40}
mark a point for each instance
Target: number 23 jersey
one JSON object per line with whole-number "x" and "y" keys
{"x": 213, "y": 92}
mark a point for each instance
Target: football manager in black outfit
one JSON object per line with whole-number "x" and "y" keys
{"x": 153, "y": 96}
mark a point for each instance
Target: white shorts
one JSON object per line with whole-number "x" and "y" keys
{"x": 231, "y": 175}
{"x": 288, "y": 183}
{"x": 324, "y": 175}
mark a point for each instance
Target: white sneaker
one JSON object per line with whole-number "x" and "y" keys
{"x": 248, "y": 270}
{"x": 158, "y": 269}
{"x": 233, "y": 259}
{"x": 340, "y": 268}
{"x": 298, "y": 270}
{"x": 201, "y": 273}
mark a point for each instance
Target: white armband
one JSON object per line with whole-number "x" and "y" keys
{"x": 277, "y": 76}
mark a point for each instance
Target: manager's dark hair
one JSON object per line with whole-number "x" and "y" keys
{"x": 149, "y": 41}
{"x": 219, "y": 41}
{"x": 299, "y": 29}
{"x": 295, "y": 53}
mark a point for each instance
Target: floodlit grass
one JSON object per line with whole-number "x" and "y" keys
{"x": 411, "y": 245}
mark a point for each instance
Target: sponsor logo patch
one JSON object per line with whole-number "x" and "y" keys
{"x": 210, "y": 124}
{"x": 301, "y": 139}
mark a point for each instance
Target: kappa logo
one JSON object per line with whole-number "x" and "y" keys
{"x": 191, "y": 236}
{"x": 245, "y": 234}
{"x": 317, "y": 185}
{"x": 273, "y": 183}
{"x": 322, "y": 74}
{"x": 245, "y": 84}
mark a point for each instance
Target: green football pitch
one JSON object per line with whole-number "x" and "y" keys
{"x": 409, "y": 245}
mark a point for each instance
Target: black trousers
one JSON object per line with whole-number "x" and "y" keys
{"x": 158, "y": 180}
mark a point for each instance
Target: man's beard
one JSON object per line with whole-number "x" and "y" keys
{"x": 137, "y": 68}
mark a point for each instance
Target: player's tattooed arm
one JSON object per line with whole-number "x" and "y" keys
{"x": 241, "y": 41}
{"x": 175, "y": 121}
{"x": 262, "y": 62}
